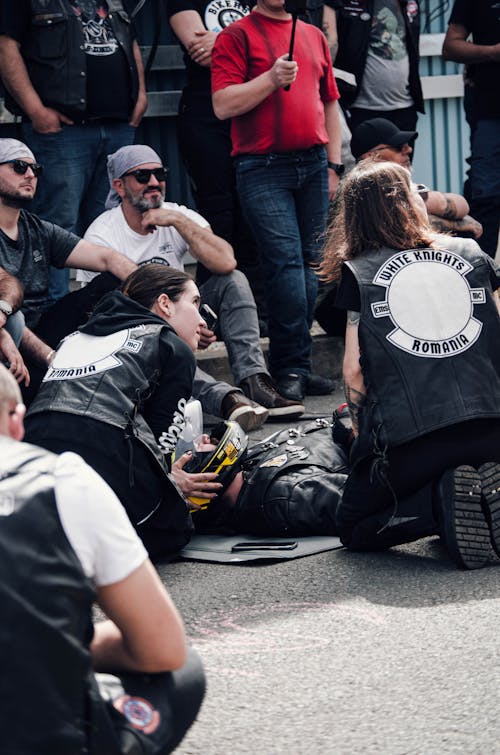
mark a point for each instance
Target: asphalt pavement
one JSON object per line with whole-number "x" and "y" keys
{"x": 392, "y": 653}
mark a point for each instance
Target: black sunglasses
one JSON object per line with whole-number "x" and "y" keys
{"x": 142, "y": 175}
{"x": 21, "y": 166}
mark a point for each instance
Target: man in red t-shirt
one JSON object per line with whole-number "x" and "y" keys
{"x": 286, "y": 145}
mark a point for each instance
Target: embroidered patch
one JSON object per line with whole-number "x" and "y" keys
{"x": 80, "y": 355}
{"x": 222, "y": 13}
{"x": 138, "y": 712}
{"x": 411, "y": 9}
{"x": 277, "y": 461}
{"x": 425, "y": 324}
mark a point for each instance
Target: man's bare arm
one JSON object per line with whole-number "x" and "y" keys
{"x": 190, "y": 31}
{"x": 446, "y": 205}
{"x": 497, "y": 300}
{"x": 237, "y": 99}
{"x": 100, "y": 259}
{"x": 457, "y": 48}
{"x": 10, "y": 354}
{"x": 354, "y": 386}
{"x": 16, "y": 79}
{"x": 329, "y": 26}
{"x": 458, "y": 227}
{"x": 145, "y": 632}
{"x": 334, "y": 146}
{"x": 212, "y": 251}
{"x": 142, "y": 98}
{"x": 35, "y": 348}
{"x": 11, "y": 291}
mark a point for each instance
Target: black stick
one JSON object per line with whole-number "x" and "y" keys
{"x": 292, "y": 42}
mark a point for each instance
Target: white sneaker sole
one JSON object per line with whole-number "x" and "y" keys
{"x": 249, "y": 417}
{"x": 287, "y": 411}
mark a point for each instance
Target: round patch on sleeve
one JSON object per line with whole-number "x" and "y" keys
{"x": 138, "y": 712}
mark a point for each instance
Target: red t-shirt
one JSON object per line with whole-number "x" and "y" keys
{"x": 284, "y": 121}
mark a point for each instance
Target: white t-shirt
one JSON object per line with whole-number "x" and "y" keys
{"x": 164, "y": 245}
{"x": 95, "y": 522}
{"x": 385, "y": 83}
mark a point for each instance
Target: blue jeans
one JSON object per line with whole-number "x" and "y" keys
{"x": 72, "y": 191}
{"x": 284, "y": 197}
{"x": 15, "y": 327}
{"x": 485, "y": 181}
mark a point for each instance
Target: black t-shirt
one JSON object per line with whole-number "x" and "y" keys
{"x": 216, "y": 15}
{"x": 40, "y": 244}
{"x": 482, "y": 19}
{"x": 108, "y": 76}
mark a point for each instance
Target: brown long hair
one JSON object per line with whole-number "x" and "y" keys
{"x": 375, "y": 208}
{"x": 146, "y": 283}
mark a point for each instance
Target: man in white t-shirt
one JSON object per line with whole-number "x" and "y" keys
{"x": 147, "y": 229}
{"x": 65, "y": 541}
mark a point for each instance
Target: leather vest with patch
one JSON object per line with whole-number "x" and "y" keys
{"x": 428, "y": 334}
{"x": 46, "y": 603}
{"x": 55, "y": 58}
{"x": 107, "y": 378}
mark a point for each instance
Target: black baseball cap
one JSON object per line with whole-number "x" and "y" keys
{"x": 376, "y": 131}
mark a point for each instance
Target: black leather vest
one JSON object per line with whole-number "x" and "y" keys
{"x": 107, "y": 378}
{"x": 428, "y": 335}
{"x": 46, "y": 605}
{"x": 55, "y": 58}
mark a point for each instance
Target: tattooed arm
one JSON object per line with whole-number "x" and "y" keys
{"x": 448, "y": 206}
{"x": 354, "y": 387}
{"x": 466, "y": 225}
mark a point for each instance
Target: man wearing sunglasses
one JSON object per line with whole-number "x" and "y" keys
{"x": 148, "y": 229}
{"x": 380, "y": 139}
{"x": 72, "y": 70}
{"x": 28, "y": 247}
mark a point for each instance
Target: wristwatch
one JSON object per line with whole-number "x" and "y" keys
{"x": 5, "y": 307}
{"x": 337, "y": 167}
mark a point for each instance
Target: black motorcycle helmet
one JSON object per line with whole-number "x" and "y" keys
{"x": 225, "y": 460}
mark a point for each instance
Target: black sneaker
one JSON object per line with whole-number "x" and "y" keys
{"x": 260, "y": 388}
{"x": 490, "y": 484}
{"x": 292, "y": 386}
{"x": 317, "y": 385}
{"x": 236, "y": 407}
{"x": 463, "y": 524}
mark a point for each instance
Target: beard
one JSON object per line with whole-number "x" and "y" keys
{"x": 142, "y": 202}
{"x": 10, "y": 199}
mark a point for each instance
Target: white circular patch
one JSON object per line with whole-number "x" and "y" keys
{"x": 417, "y": 305}
{"x": 222, "y": 13}
{"x": 429, "y": 301}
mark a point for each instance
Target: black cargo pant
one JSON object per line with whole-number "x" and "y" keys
{"x": 144, "y": 714}
{"x": 392, "y": 503}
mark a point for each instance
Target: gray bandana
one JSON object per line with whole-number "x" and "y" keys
{"x": 123, "y": 160}
{"x": 12, "y": 149}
